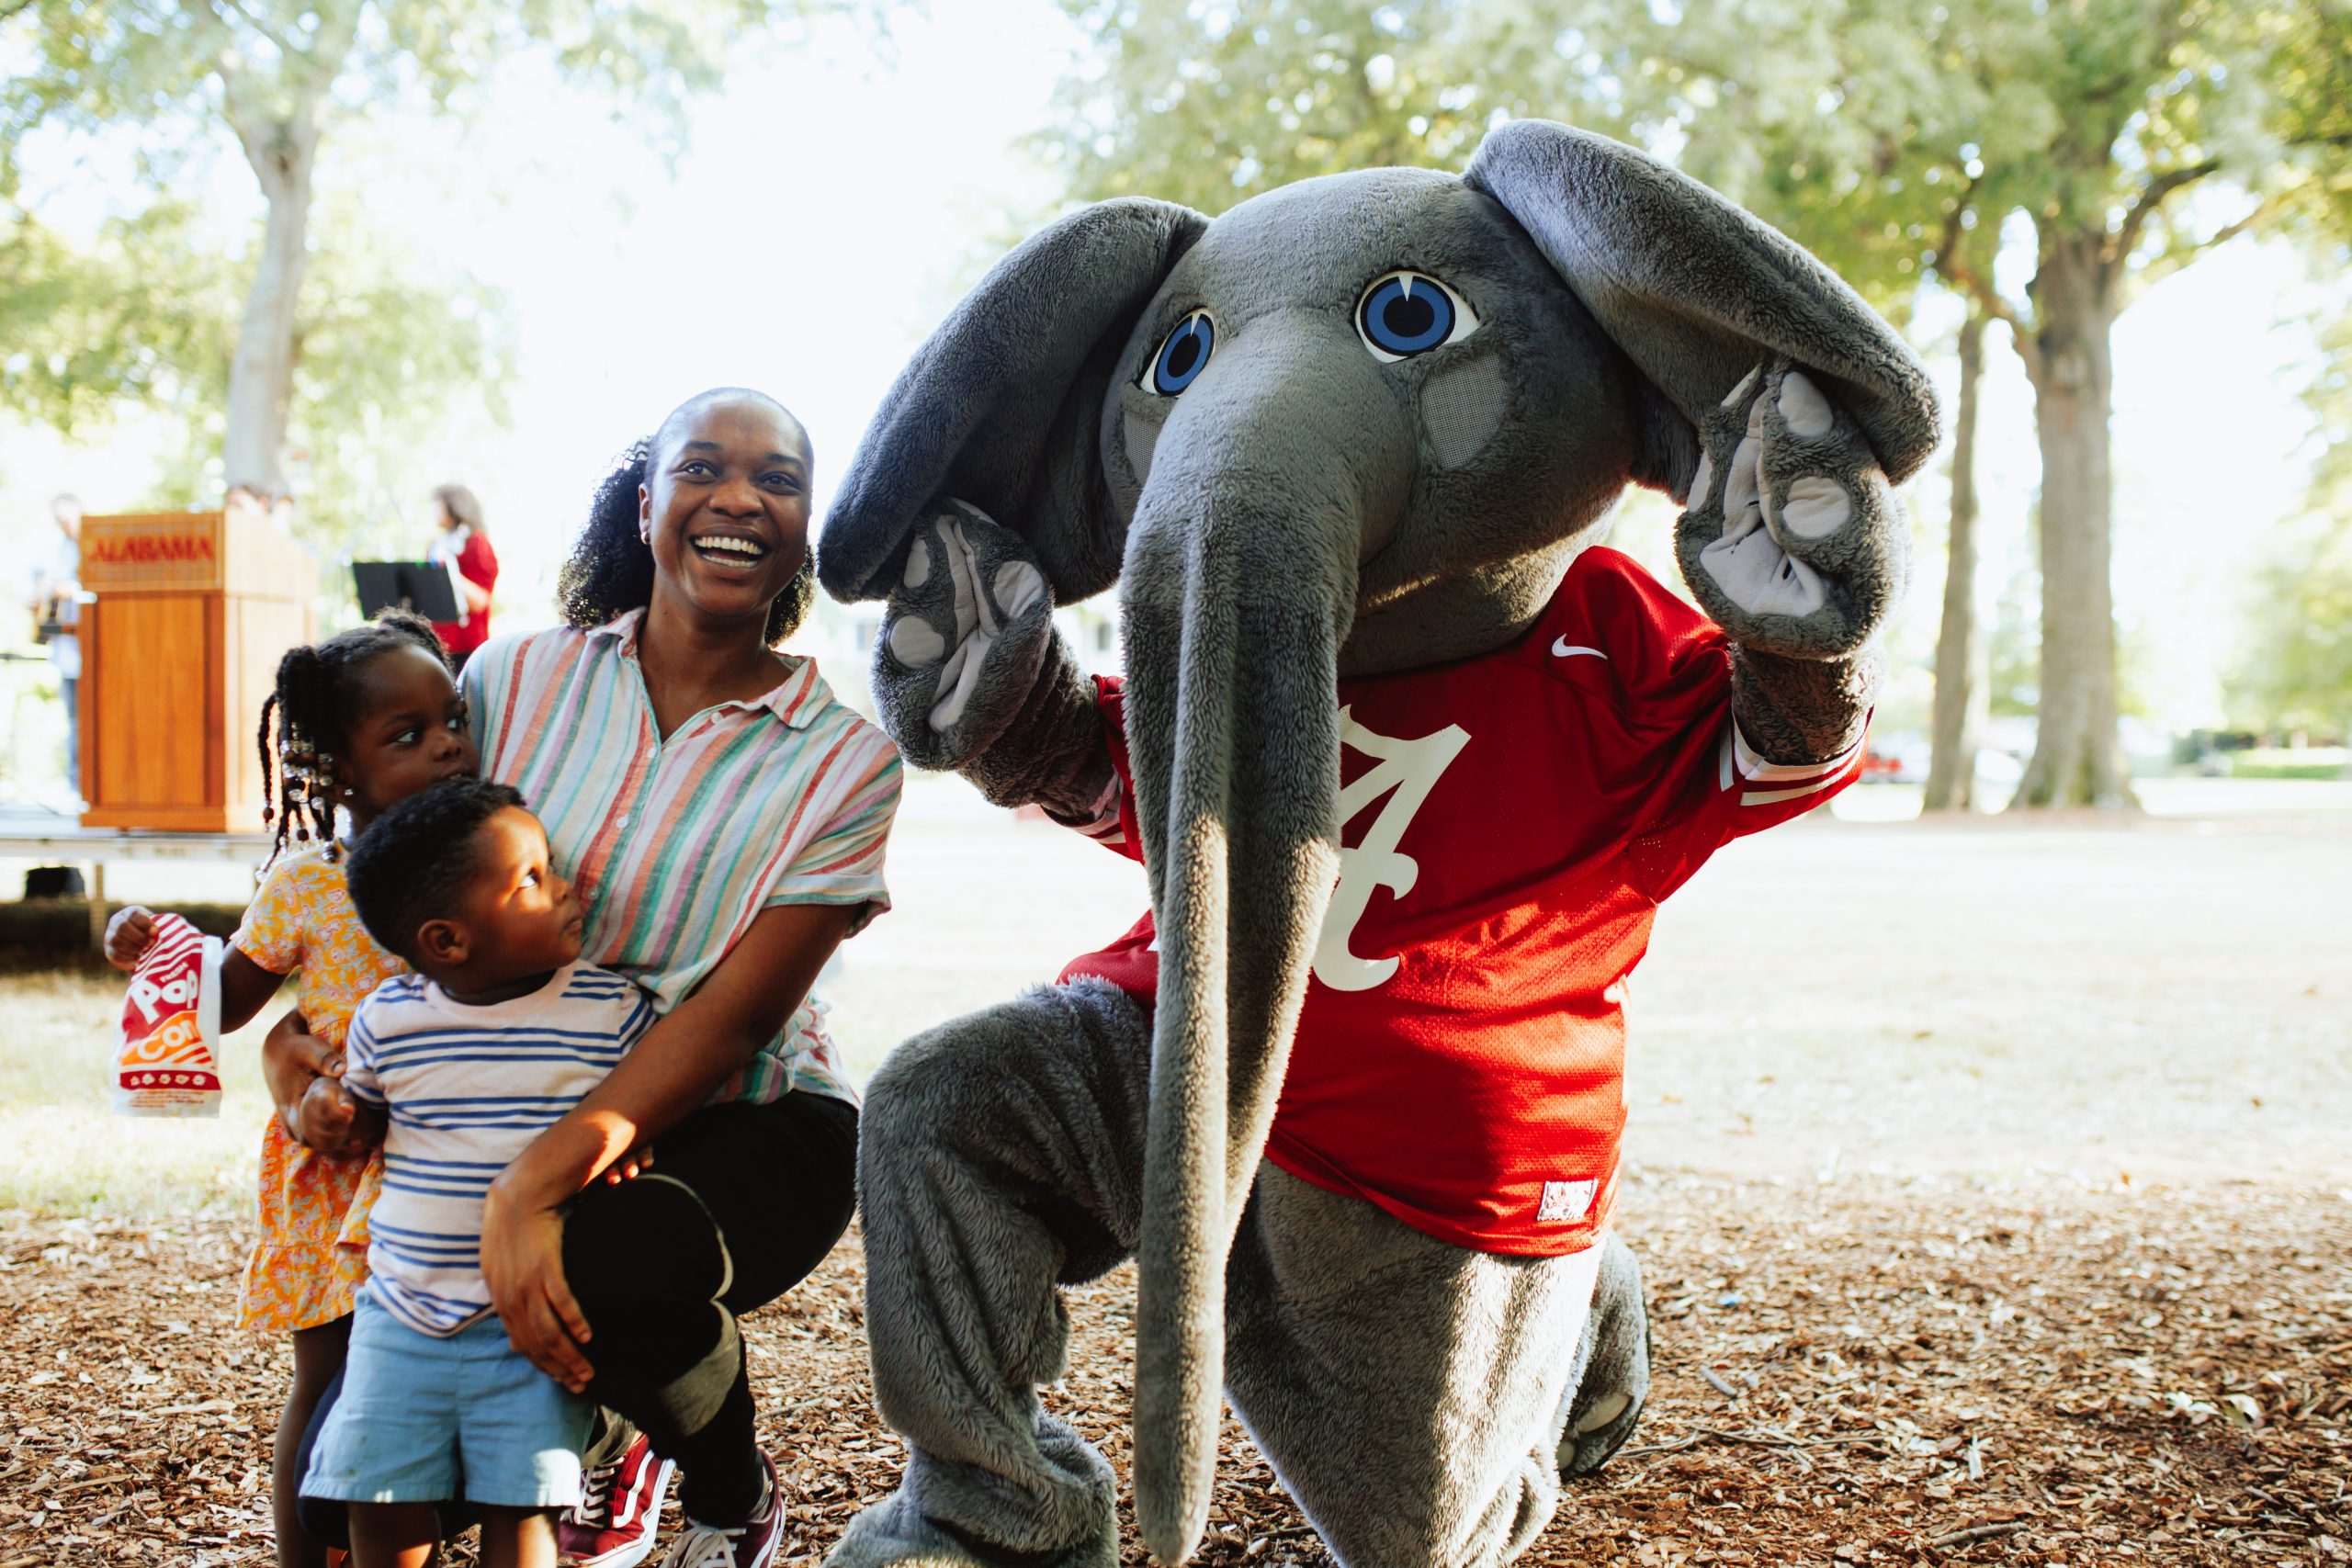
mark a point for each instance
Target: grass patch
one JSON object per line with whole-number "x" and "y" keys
{"x": 68, "y": 1153}
{"x": 2309, "y": 763}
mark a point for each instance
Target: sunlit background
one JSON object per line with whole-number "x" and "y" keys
{"x": 804, "y": 223}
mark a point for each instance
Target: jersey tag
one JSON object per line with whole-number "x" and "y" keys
{"x": 1566, "y": 1201}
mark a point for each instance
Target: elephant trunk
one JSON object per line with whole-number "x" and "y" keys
{"x": 1240, "y": 587}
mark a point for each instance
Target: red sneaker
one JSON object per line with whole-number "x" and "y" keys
{"x": 749, "y": 1545}
{"x": 620, "y": 1512}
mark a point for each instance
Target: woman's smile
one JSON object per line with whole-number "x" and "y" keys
{"x": 731, "y": 549}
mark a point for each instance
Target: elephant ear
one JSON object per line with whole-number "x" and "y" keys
{"x": 1697, "y": 292}
{"x": 1003, "y": 407}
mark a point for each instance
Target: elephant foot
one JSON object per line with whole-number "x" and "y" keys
{"x": 895, "y": 1533}
{"x": 952, "y": 1515}
{"x": 1615, "y": 1380}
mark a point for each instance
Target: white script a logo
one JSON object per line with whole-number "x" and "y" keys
{"x": 1405, "y": 772}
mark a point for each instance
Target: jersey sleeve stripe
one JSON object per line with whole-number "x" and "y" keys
{"x": 1825, "y": 784}
{"x": 1756, "y": 770}
{"x": 1772, "y": 797}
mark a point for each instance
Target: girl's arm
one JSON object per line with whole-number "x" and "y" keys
{"x": 672, "y": 1072}
{"x": 245, "y": 989}
{"x": 291, "y": 1057}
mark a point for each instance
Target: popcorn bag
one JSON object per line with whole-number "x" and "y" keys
{"x": 168, "y": 1063}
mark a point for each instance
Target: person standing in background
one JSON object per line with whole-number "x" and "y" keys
{"x": 57, "y": 610}
{"x": 464, "y": 546}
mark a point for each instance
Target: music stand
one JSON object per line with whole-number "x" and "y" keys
{"x": 422, "y": 586}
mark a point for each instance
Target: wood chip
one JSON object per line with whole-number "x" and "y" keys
{"x": 1884, "y": 1390}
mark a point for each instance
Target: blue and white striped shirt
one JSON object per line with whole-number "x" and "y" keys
{"x": 465, "y": 1088}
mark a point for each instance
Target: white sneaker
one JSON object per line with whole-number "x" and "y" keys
{"x": 749, "y": 1545}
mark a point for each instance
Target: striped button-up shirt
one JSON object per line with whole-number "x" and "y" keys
{"x": 677, "y": 845}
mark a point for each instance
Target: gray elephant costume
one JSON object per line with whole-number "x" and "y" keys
{"x": 1343, "y": 451}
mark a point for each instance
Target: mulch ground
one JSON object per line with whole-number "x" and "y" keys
{"x": 1854, "y": 1373}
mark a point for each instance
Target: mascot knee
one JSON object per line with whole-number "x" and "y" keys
{"x": 914, "y": 1106}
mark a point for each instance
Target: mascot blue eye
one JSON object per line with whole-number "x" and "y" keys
{"x": 1181, "y": 355}
{"x": 1406, "y": 313}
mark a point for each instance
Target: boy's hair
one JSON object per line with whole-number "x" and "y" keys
{"x": 309, "y": 714}
{"x": 414, "y": 862}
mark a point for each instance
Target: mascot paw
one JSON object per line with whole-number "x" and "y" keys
{"x": 1793, "y": 540}
{"x": 1613, "y": 1367}
{"x": 966, "y": 632}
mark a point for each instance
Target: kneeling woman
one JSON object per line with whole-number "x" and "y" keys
{"x": 725, "y": 818}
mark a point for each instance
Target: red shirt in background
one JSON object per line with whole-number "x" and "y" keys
{"x": 478, "y": 564}
{"x": 1509, "y": 822}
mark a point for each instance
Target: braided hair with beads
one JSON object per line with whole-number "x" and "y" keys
{"x": 303, "y": 724}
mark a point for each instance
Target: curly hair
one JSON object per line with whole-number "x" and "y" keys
{"x": 412, "y": 864}
{"x": 610, "y": 571}
{"x": 307, "y": 718}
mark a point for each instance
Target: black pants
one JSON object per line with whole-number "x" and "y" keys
{"x": 742, "y": 1203}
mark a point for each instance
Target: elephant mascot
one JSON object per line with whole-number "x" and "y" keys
{"x": 1407, "y": 758}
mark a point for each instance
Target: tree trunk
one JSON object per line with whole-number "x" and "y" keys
{"x": 2077, "y": 753}
{"x": 1963, "y": 694}
{"x": 261, "y": 378}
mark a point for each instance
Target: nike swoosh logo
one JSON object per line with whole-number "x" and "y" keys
{"x": 1561, "y": 649}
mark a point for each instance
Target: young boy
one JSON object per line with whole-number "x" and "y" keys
{"x": 499, "y": 1033}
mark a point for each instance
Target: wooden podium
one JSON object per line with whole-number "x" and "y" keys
{"x": 179, "y": 651}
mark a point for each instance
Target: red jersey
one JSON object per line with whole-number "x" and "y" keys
{"x": 1509, "y": 823}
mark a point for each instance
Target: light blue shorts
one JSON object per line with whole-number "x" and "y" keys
{"x": 413, "y": 1403}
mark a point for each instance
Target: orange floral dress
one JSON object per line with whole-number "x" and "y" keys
{"x": 312, "y": 1255}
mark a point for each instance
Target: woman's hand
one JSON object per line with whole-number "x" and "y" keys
{"x": 128, "y": 936}
{"x": 629, "y": 1167}
{"x": 522, "y": 1262}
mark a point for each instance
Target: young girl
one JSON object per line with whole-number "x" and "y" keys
{"x": 364, "y": 719}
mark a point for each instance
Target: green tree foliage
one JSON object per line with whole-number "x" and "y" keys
{"x": 88, "y": 328}
{"x": 347, "y": 349}
{"x": 1209, "y": 105}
